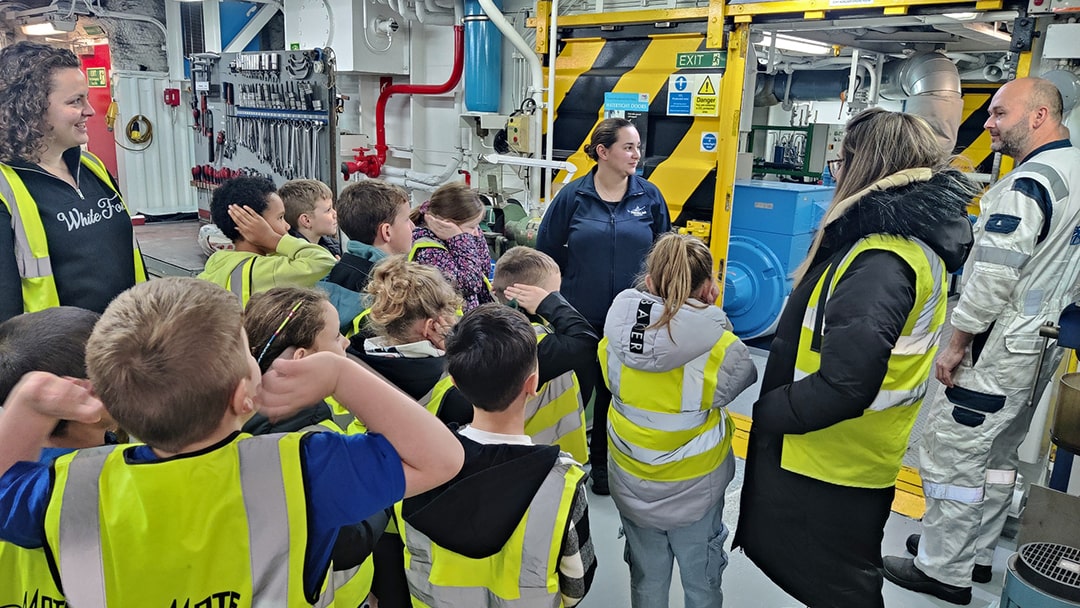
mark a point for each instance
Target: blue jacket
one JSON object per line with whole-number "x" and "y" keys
{"x": 601, "y": 247}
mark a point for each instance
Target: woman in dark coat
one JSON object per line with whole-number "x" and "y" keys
{"x": 828, "y": 395}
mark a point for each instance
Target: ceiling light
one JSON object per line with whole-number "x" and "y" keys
{"x": 961, "y": 16}
{"x": 40, "y": 29}
{"x": 798, "y": 45}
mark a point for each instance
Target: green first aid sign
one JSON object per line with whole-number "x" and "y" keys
{"x": 95, "y": 78}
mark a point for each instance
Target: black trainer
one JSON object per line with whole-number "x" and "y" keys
{"x": 979, "y": 574}
{"x": 902, "y": 571}
{"x": 599, "y": 481}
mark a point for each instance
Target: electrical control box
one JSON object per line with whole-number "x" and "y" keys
{"x": 519, "y": 133}
{"x": 367, "y": 36}
{"x": 834, "y": 136}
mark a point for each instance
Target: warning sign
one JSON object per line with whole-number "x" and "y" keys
{"x": 705, "y": 106}
{"x": 693, "y": 95}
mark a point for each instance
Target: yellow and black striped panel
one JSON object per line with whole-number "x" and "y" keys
{"x": 631, "y": 62}
{"x": 972, "y": 140}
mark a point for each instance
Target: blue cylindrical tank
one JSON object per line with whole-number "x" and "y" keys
{"x": 483, "y": 59}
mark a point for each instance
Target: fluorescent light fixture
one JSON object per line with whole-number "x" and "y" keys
{"x": 961, "y": 16}
{"x": 798, "y": 45}
{"x": 40, "y": 29}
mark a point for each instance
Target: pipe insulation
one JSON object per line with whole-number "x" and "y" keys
{"x": 930, "y": 84}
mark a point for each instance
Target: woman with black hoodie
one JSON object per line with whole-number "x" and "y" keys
{"x": 848, "y": 366}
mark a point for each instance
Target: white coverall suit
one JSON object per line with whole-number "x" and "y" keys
{"x": 1015, "y": 283}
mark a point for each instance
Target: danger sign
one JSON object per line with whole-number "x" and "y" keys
{"x": 693, "y": 95}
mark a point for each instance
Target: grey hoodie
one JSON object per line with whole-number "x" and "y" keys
{"x": 694, "y": 330}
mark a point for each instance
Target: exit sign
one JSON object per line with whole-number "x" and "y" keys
{"x": 703, "y": 59}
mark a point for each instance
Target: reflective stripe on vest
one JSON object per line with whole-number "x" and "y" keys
{"x": 257, "y": 485}
{"x": 672, "y": 432}
{"x": 341, "y": 417}
{"x": 432, "y": 401}
{"x": 556, "y": 415}
{"x": 426, "y": 243}
{"x": 358, "y": 323}
{"x": 524, "y": 574}
{"x": 31, "y": 244}
{"x": 239, "y": 281}
{"x": 867, "y": 451}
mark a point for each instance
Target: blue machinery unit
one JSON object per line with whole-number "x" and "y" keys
{"x": 1042, "y": 575}
{"x": 772, "y": 226}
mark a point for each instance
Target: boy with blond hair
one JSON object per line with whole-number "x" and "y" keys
{"x": 309, "y": 210}
{"x": 529, "y": 279}
{"x": 171, "y": 361}
{"x": 513, "y": 526}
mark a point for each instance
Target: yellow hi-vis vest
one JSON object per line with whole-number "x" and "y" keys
{"x": 207, "y": 529}
{"x": 432, "y": 402}
{"x": 25, "y": 578}
{"x": 358, "y": 323}
{"x": 867, "y": 451}
{"x": 662, "y": 426}
{"x": 556, "y": 415}
{"x": 31, "y": 244}
{"x": 426, "y": 243}
{"x": 524, "y": 574}
{"x": 239, "y": 281}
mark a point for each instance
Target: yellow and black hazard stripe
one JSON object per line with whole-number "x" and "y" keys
{"x": 972, "y": 140}
{"x": 633, "y": 60}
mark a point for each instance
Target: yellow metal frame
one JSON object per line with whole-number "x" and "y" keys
{"x": 815, "y": 9}
{"x": 632, "y": 17}
{"x": 542, "y": 21}
{"x": 727, "y": 149}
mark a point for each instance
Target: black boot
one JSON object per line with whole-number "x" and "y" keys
{"x": 902, "y": 571}
{"x": 979, "y": 574}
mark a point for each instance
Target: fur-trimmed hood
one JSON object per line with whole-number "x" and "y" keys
{"x": 932, "y": 210}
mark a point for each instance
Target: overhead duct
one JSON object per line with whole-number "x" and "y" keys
{"x": 800, "y": 85}
{"x": 930, "y": 84}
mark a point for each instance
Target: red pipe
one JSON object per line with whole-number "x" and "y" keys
{"x": 373, "y": 164}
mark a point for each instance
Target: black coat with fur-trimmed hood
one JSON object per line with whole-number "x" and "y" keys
{"x": 822, "y": 542}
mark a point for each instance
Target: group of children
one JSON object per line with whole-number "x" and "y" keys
{"x": 434, "y": 460}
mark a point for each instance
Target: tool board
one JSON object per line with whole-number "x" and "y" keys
{"x": 264, "y": 113}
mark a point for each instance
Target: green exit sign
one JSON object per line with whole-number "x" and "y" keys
{"x": 701, "y": 59}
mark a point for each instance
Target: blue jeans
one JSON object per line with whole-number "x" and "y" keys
{"x": 699, "y": 547}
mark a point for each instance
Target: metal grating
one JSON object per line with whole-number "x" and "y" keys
{"x": 1052, "y": 568}
{"x": 191, "y": 20}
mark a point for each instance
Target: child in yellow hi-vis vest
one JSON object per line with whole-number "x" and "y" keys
{"x": 223, "y": 517}
{"x": 672, "y": 364}
{"x": 529, "y": 279}
{"x": 52, "y": 340}
{"x": 512, "y": 528}
{"x": 293, "y": 323}
{"x": 250, "y": 213}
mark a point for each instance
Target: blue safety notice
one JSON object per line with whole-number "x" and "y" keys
{"x": 678, "y": 104}
{"x": 708, "y": 142}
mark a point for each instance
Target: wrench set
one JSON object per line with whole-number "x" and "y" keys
{"x": 275, "y": 116}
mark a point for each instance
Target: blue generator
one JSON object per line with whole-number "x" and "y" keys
{"x": 772, "y": 226}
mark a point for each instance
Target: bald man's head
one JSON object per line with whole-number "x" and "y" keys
{"x": 1045, "y": 94}
{"x": 1025, "y": 114}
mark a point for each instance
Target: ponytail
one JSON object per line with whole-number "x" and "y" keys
{"x": 678, "y": 264}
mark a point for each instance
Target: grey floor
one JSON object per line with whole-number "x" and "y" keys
{"x": 744, "y": 584}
